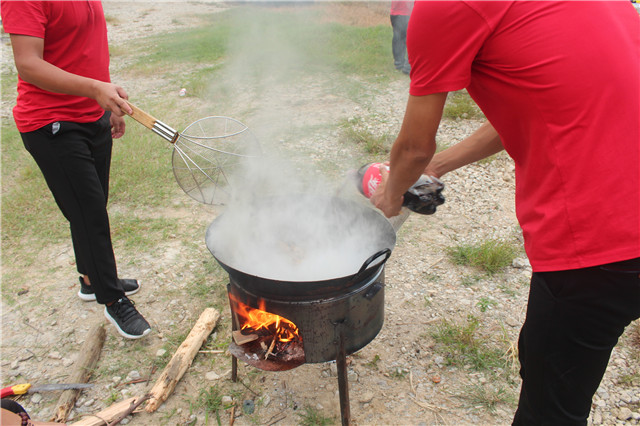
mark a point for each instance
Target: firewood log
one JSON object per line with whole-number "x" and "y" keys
{"x": 87, "y": 359}
{"x": 108, "y": 415}
{"x": 182, "y": 359}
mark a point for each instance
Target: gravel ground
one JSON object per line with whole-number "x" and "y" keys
{"x": 400, "y": 377}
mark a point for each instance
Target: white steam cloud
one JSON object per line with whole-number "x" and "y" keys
{"x": 282, "y": 222}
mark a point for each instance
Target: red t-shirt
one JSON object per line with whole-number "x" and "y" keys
{"x": 75, "y": 40}
{"x": 560, "y": 82}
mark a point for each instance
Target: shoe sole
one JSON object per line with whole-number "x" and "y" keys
{"x": 92, "y": 297}
{"x": 122, "y": 332}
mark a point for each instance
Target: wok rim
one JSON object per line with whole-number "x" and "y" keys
{"x": 388, "y": 241}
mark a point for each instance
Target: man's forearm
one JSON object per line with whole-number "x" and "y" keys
{"x": 415, "y": 145}
{"x": 483, "y": 143}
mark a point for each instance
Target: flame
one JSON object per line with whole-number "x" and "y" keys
{"x": 256, "y": 320}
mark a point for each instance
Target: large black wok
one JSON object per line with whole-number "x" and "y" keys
{"x": 301, "y": 246}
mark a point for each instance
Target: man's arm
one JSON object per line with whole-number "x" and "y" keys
{"x": 481, "y": 144}
{"x": 32, "y": 68}
{"x": 411, "y": 152}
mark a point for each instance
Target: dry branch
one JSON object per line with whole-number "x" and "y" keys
{"x": 271, "y": 346}
{"x": 182, "y": 359}
{"x": 232, "y": 418}
{"x": 109, "y": 414}
{"x": 131, "y": 409}
{"x": 87, "y": 359}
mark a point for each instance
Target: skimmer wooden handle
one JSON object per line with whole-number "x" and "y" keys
{"x": 150, "y": 122}
{"x": 142, "y": 117}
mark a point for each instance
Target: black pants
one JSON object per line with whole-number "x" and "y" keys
{"x": 75, "y": 159}
{"x": 399, "y": 24}
{"x": 574, "y": 319}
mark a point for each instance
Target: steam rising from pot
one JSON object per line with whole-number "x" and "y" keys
{"x": 281, "y": 229}
{"x": 281, "y": 222}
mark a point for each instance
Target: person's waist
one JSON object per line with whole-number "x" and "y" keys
{"x": 630, "y": 265}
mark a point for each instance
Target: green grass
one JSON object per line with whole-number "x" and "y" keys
{"x": 359, "y": 51}
{"x": 311, "y": 416}
{"x": 140, "y": 233}
{"x": 114, "y": 396}
{"x": 490, "y": 256}
{"x": 460, "y": 105}
{"x": 208, "y": 279}
{"x": 470, "y": 280}
{"x": 398, "y": 373}
{"x": 26, "y": 200}
{"x": 462, "y": 345}
{"x": 179, "y": 50}
{"x": 489, "y": 396}
{"x": 111, "y": 20}
{"x": 281, "y": 44}
{"x": 373, "y": 364}
{"x": 485, "y": 303}
{"x": 371, "y": 144}
{"x": 210, "y": 400}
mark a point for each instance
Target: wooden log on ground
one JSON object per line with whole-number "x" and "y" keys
{"x": 84, "y": 365}
{"x": 182, "y": 359}
{"x": 109, "y": 414}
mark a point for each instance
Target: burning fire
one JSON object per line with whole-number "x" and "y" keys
{"x": 260, "y": 321}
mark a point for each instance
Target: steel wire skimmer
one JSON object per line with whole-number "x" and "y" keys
{"x": 205, "y": 154}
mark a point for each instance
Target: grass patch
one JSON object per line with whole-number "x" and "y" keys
{"x": 354, "y": 133}
{"x": 141, "y": 170}
{"x": 488, "y": 396}
{"x": 208, "y": 279}
{"x": 311, "y": 416}
{"x": 373, "y": 364}
{"x": 459, "y": 105}
{"x": 205, "y": 45}
{"x": 470, "y": 280}
{"x": 485, "y": 303}
{"x": 629, "y": 379}
{"x": 490, "y": 256}
{"x": 27, "y": 203}
{"x": 461, "y": 345}
{"x": 399, "y": 373}
{"x": 210, "y": 400}
{"x": 111, "y": 20}
{"x": 138, "y": 233}
{"x": 114, "y": 395}
{"x": 371, "y": 144}
{"x": 360, "y": 51}
{"x": 284, "y": 43}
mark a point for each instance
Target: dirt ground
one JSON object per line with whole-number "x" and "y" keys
{"x": 397, "y": 379}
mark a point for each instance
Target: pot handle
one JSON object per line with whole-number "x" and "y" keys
{"x": 384, "y": 252}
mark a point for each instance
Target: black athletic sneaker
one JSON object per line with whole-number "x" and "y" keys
{"x": 87, "y": 294}
{"x": 127, "y": 319}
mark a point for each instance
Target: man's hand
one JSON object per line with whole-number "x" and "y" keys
{"x": 411, "y": 152}
{"x": 112, "y": 98}
{"x": 380, "y": 197}
{"x": 118, "y": 126}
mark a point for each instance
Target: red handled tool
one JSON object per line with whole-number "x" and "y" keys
{"x": 24, "y": 388}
